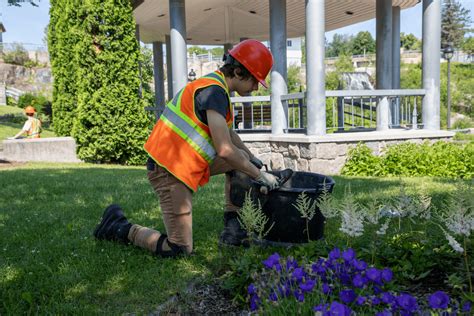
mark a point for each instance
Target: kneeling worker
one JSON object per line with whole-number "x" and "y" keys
{"x": 193, "y": 140}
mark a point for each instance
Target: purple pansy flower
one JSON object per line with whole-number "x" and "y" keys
{"x": 345, "y": 279}
{"x": 384, "y": 313}
{"x": 298, "y": 274}
{"x": 360, "y": 300}
{"x": 254, "y": 301}
{"x": 251, "y": 289}
{"x": 335, "y": 254}
{"x": 299, "y": 295}
{"x": 376, "y": 300}
{"x": 273, "y": 296}
{"x": 374, "y": 275}
{"x": 338, "y": 309}
{"x": 359, "y": 281}
{"x": 439, "y": 299}
{"x": 308, "y": 285}
{"x": 320, "y": 307}
{"x": 348, "y": 255}
{"x": 407, "y": 302}
{"x": 360, "y": 265}
{"x": 326, "y": 289}
{"x": 466, "y": 307}
{"x": 291, "y": 264}
{"x": 387, "y": 275}
{"x": 387, "y": 298}
{"x": 347, "y": 296}
{"x": 273, "y": 261}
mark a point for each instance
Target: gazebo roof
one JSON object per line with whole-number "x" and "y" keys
{"x": 216, "y": 22}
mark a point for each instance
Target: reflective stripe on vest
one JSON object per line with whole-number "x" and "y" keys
{"x": 35, "y": 127}
{"x": 192, "y": 133}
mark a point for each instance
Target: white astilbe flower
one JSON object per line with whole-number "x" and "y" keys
{"x": 383, "y": 228}
{"x": 352, "y": 219}
{"x": 404, "y": 204}
{"x": 458, "y": 214}
{"x": 372, "y": 212}
{"x": 453, "y": 243}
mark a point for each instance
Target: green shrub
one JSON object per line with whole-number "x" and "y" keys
{"x": 463, "y": 123}
{"x": 39, "y": 102}
{"x": 110, "y": 124}
{"x": 362, "y": 162}
{"x": 441, "y": 159}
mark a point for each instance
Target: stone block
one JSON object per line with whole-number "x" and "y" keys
{"x": 55, "y": 149}
{"x": 327, "y": 166}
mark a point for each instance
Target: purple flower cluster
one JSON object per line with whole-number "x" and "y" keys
{"x": 341, "y": 284}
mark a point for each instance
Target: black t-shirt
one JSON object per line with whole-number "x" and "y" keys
{"x": 210, "y": 98}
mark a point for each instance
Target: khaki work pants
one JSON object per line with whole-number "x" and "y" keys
{"x": 176, "y": 205}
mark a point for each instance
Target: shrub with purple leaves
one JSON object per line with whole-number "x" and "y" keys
{"x": 338, "y": 285}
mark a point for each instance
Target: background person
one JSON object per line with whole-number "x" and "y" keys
{"x": 32, "y": 127}
{"x": 193, "y": 140}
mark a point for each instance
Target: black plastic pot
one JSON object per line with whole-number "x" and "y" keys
{"x": 279, "y": 205}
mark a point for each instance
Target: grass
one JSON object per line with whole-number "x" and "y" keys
{"x": 7, "y": 109}
{"x": 464, "y": 137}
{"x": 50, "y": 264}
{"x": 8, "y": 129}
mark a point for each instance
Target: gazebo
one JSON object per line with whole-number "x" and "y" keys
{"x": 177, "y": 23}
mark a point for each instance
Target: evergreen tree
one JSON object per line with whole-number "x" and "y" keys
{"x": 409, "y": 41}
{"x": 62, "y": 39}
{"x": 455, "y": 23}
{"x": 111, "y": 124}
{"x": 341, "y": 45}
{"x": 363, "y": 43}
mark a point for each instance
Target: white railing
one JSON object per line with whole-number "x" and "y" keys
{"x": 346, "y": 110}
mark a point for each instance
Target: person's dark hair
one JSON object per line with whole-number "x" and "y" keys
{"x": 230, "y": 65}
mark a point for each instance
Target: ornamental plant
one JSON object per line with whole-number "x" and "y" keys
{"x": 340, "y": 284}
{"x": 252, "y": 219}
{"x": 306, "y": 208}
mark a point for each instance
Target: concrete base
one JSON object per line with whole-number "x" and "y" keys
{"x": 327, "y": 154}
{"x": 55, "y": 149}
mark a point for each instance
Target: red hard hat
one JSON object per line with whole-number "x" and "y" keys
{"x": 254, "y": 56}
{"x": 30, "y": 109}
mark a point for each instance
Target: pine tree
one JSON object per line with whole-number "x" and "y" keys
{"x": 455, "y": 23}
{"x": 111, "y": 124}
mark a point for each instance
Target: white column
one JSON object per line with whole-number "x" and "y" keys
{"x": 279, "y": 71}
{"x": 178, "y": 44}
{"x": 315, "y": 76}
{"x": 431, "y": 63}
{"x": 384, "y": 59}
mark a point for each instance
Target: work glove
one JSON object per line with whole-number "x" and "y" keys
{"x": 256, "y": 162}
{"x": 268, "y": 180}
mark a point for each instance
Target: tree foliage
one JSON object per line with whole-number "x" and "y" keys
{"x": 17, "y": 3}
{"x": 409, "y": 41}
{"x": 341, "y": 45}
{"x": 468, "y": 46}
{"x": 455, "y": 23}
{"x": 95, "y": 58}
{"x": 363, "y": 43}
{"x": 63, "y": 35}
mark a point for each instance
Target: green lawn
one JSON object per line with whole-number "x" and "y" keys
{"x": 51, "y": 264}
{"x": 7, "y": 109}
{"x": 8, "y": 129}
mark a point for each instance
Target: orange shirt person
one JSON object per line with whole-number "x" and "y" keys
{"x": 32, "y": 127}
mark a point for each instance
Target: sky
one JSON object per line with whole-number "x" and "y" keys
{"x": 27, "y": 24}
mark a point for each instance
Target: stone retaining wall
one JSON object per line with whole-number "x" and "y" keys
{"x": 327, "y": 154}
{"x": 55, "y": 149}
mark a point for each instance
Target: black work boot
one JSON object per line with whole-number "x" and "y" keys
{"x": 233, "y": 234}
{"x": 114, "y": 225}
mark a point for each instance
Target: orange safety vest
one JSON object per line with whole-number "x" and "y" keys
{"x": 180, "y": 142}
{"x": 35, "y": 129}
